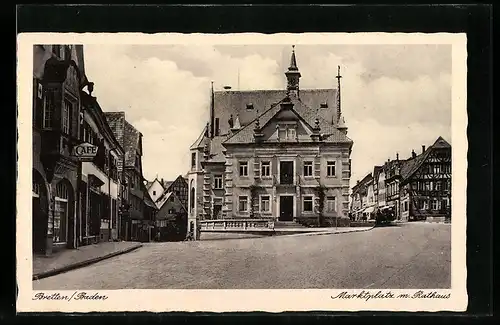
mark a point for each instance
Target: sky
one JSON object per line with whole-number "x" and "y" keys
{"x": 395, "y": 98}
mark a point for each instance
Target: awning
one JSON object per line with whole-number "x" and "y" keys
{"x": 369, "y": 209}
{"x": 95, "y": 181}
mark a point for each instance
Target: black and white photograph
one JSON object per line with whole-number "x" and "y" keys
{"x": 218, "y": 168}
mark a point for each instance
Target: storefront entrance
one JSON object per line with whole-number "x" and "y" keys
{"x": 39, "y": 214}
{"x": 63, "y": 215}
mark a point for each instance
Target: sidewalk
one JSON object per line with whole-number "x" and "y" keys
{"x": 69, "y": 259}
{"x": 331, "y": 231}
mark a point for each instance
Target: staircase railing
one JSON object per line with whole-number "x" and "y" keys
{"x": 237, "y": 224}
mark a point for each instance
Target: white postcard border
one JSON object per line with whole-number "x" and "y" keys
{"x": 242, "y": 300}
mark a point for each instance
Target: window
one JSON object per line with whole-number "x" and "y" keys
{"x": 307, "y": 203}
{"x": 331, "y": 205}
{"x": 290, "y": 134}
{"x": 243, "y": 204}
{"x": 154, "y": 192}
{"x": 265, "y": 169}
{"x": 406, "y": 206}
{"x": 434, "y": 204}
{"x": 216, "y": 126}
{"x": 281, "y": 133}
{"x": 243, "y": 168}
{"x": 249, "y": 106}
{"x": 264, "y": 203}
{"x": 330, "y": 168}
{"x": 193, "y": 160}
{"x": 48, "y": 110}
{"x": 437, "y": 169}
{"x": 438, "y": 185}
{"x": 218, "y": 182}
{"x": 191, "y": 207}
{"x": 308, "y": 168}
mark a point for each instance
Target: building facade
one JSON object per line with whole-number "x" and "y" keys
{"x": 58, "y": 82}
{"x": 171, "y": 219}
{"x": 100, "y": 187}
{"x": 363, "y": 199}
{"x": 138, "y": 210}
{"x": 417, "y": 188}
{"x": 282, "y": 155}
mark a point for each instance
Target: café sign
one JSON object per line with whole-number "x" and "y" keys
{"x": 85, "y": 151}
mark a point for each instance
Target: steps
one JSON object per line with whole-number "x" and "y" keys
{"x": 287, "y": 224}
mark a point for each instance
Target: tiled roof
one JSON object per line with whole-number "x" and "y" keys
{"x": 147, "y": 199}
{"x": 116, "y": 121}
{"x": 410, "y": 166}
{"x": 163, "y": 199}
{"x": 131, "y": 137}
{"x": 199, "y": 141}
{"x": 216, "y": 149}
{"x": 362, "y": 182}
{"x": 329, "y": 132}
{"x": 233, "y": 102}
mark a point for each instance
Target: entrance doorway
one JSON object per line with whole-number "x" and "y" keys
{"x": 217, "y": 211}
{"x": 39, "y": 214}
{"x": 286, "y": 208}
{"x": 63, "y": 214}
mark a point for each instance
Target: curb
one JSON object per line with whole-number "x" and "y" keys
{"x": 77, "y": 265}
{"x": 329, "y": 233}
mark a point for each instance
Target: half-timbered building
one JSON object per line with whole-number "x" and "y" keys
{"x": 426, "y": 184}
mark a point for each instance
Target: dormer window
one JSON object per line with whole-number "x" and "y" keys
{"x": 324, "y": 105}
{"x": 287, "y": 132}
{"x": 249, "y": 106}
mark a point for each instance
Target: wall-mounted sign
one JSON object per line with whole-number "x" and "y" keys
{"x": 40, "y": 91}
{"x": 85, "y": 151}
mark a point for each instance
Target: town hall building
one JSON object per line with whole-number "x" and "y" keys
{"x": 277, "y": 155}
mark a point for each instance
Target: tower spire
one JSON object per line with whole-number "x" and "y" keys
{"x": 212, "y": 110}
{"x": 338, "y": 93}
{"x": 293, "y": 75}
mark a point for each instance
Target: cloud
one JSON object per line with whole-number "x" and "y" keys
{"x": 394, "y": 98}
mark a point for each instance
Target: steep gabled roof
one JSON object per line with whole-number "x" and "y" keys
{"x": 308, "y": 115}
{"x": 199, "y": 141}
{"x": 362, "y": 183}
{"x": 235, "y": 102}
{"x": 410, "y": 166}
{"x": 131, "y": 139}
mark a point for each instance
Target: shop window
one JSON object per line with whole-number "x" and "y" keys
{"x": 61, "y": 213}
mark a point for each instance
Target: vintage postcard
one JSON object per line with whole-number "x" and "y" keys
{"x": 241, "y": 172}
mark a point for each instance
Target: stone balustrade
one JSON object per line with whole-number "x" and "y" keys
{"x": 237, "y": 225}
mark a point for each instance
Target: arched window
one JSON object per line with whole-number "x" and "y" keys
{"x": 192, "y": 200}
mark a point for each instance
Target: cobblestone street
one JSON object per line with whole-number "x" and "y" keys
{"x": 405, "y": 256}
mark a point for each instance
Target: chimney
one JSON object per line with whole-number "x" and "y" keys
{"x": 423, "y": 148}
{"x": 413, "y": 154}
{"x": 397, "y": 156}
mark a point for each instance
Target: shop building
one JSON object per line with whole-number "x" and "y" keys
{"x": 58, "y": 82}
